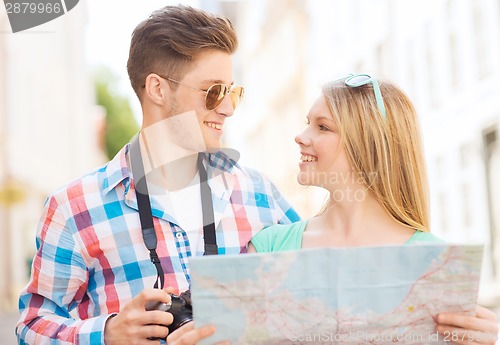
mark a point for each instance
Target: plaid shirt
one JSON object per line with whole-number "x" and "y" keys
{"x": 91, "y": 255}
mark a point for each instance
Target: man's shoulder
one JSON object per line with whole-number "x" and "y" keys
{"x": 71, "y": 188}
{"x": 250, "y": 172}
{"x": 228, "y": 160}
{"x": 244, "y": 171}
{"x": 99, "y": 180}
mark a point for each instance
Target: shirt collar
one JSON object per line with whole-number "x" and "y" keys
{"x": 223, "y": 160}
{"x": 117, "y": 171}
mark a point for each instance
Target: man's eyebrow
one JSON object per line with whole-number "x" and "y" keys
{"x": 215, "y": 81}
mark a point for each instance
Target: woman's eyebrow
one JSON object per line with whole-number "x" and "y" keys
{"x": 324, "y": 118}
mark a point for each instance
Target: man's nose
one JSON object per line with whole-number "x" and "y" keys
{"x": 226, "y": 107}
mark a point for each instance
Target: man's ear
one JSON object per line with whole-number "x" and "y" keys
{"x": 155, "y": 89}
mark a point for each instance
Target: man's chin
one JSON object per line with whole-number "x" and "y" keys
{"x": 213, "y": 147}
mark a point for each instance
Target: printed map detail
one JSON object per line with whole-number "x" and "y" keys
{"x": 370, "y": 295}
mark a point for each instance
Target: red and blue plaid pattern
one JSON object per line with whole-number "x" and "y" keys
{"x": 91, "y": 256}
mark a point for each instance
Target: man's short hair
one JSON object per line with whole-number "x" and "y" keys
{"x": 171, "y": 38}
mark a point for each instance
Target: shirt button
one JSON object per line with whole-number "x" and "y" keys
{"x": 179, "y": 235}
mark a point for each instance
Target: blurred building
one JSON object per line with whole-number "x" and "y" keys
{"x": 47, "y": 132}
{"x": 444, "y": 53}
{"x": 274, "y": 64}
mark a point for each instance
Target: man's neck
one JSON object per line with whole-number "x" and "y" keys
{"x": 167, "y": 165}
{"x": 176, "y": 175}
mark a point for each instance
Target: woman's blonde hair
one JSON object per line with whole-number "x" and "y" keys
{"x": 386, "y": 151}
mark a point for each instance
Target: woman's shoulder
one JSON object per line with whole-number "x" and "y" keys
{"x": 274, "y": 237}
{"x": 424, "y": 237}
{"x": 280, "y": 227}
{"x": 277, "y": 231}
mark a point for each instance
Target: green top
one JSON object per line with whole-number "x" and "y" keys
{"x": 281, "y": 237}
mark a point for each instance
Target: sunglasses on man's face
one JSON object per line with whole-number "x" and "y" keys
{"x": 216, "y": 93}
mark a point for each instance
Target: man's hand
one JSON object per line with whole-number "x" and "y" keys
{"x": 187, "y": 335}
{"x": 463, "y": 329}
{"x": 134, "y": 325}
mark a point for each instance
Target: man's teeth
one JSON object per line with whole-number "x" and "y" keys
{"x": 305, "y": 158}
{"x": 214, "y": 125}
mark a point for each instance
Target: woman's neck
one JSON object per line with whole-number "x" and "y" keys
{"x": 355, "y": 222}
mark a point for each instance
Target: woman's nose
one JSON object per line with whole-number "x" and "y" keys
{"x": 302, "y": 139}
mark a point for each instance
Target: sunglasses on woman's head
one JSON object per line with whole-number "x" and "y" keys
{"x": 356, "y": 80}
{"x": 216, "y": 93}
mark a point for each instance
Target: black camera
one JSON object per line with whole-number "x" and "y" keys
{"x": 179, "y": 306}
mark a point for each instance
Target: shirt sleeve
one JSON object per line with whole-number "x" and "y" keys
{"x": 58, "y": 284}
{"x": 264, "y": 240}
{"x": 424, "y": 237}
{"x": 286, "y": 214}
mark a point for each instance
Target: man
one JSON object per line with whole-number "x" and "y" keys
{"x": 91, "y": 253}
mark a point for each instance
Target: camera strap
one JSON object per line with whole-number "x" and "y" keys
{"x": 207, "y": 210}
{"x": 146, "y": 215}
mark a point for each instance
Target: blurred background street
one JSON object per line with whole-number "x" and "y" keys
{"x": 7, "y": 327}
{"x": 66, "y": 105}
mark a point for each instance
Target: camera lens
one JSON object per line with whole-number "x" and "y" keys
{"x": 179, "y": 306}
{"x": 181, "y": 310}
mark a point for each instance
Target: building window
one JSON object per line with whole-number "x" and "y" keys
{"x": 442, "y": 202}
{"x": 431, "y": 66}
{"x": 440, "y": 170}
{"x": 384, "y": 58}
{"x": 454, "y": 63}
{"x": 466, "y": 156}
{"x": 443, "y": 213}
{"x": 481, "y": 39}
{"x": 454, "y": 45}
{"x": 411, "y": 54}
{"x": 492, "y": 168}
{"x": 466, "y": 206}
{"x": 466, "y": 152}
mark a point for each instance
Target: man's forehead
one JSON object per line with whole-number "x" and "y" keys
{"x": 211, "y": 67}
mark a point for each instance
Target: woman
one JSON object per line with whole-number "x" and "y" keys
{"x": 362, "y": 144}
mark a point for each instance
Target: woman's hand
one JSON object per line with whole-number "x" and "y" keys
{"x": 463, "y": 329}
{"x": 188, "y": 335}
